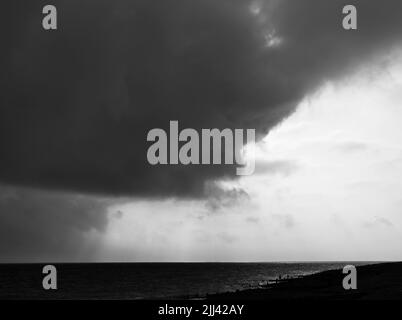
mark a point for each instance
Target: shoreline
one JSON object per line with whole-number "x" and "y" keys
{"x": 378, "y": 281}
{"x": 375, "y": 280}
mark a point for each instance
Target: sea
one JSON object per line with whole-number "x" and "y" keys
{"x": 131, "y": 281}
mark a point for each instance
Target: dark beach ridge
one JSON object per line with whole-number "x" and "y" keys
{"x": 133, "y": 281}
{"x": 382, "y": 281}
{"x": 183, "y": 281}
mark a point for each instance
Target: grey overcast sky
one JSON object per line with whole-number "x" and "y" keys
{"x": 76, "y": 105}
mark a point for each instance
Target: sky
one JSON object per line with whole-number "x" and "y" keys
{"x": 75, "y": 107}
{"x": 325, "y": 189}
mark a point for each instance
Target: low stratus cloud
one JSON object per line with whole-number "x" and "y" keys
{"x": 76, "y": 104}
{"x": 47, "y": 226}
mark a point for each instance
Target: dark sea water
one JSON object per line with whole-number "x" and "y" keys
{"x": 147, "y": 280}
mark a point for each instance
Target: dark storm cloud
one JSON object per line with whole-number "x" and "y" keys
{"x": 219, "y": 198}
{"x": 76, "y": 104}
{"x": 48, "y": 226}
